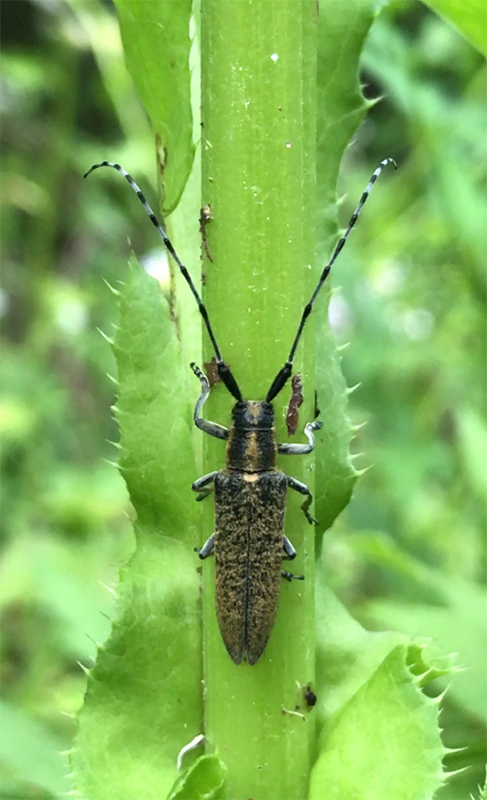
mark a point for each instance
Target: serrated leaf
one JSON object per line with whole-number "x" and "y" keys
{"x": 346, "y": 654}
{"x": 143, "y": 700}
{"x": 157, "y": 44}
{"x": 203, "y": 781}
{"x": 343, "y": 28}
{"x": 385, "y": 742}
{"x": 469, "y": 18}
{"x": 341, "y": 107}
{"x": 447, "y": 625}
{"x": 450, "y": 611}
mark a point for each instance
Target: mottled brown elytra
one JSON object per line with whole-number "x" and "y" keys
{"x": 250, "y": 492}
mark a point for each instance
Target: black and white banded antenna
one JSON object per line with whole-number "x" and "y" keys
{"x": 284, "y": 374}
{"x": 223, "y": 368}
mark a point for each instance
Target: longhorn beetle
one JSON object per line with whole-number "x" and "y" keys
{"x": 250, "y": 493}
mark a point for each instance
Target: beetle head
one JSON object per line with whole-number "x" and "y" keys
{"x": 256, "y": 414}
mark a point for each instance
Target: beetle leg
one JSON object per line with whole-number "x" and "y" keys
{"x": 290, "y": 577}
{"x": 201, "y": 485}
{"x": 203, "y": 424}
{"x": 207, "y": 549}
{"x": 303, "y": 489}
{"x": 289, "y": 550}
{"x": 301, "y": 449}
{"x": 290, "y": 553}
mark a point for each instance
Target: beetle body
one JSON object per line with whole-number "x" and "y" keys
{"x": 248, "y": 546}
{"x": 248, "y": 541}
{"x": 250, "y": 493}
{"x": 250, "y": 497}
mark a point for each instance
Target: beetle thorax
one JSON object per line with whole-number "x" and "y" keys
{"x": 252, "y": 443}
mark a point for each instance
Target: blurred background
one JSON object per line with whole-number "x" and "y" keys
{"x": 410, "y": 551}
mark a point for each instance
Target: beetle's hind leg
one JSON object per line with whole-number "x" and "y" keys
{"x": 289, "y": 555}
{"x": 290, "y": 577}
{"x": 288, "y": 548}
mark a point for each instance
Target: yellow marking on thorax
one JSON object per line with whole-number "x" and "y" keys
{"x": 253, "y": 448}
{"x": 251, "y": 477}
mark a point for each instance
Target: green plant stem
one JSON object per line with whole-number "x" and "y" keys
{"x": 258, "y": 175}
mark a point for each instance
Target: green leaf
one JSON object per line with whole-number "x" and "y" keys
{"x": 454, "y": 616}
{"x": 343, "y": 28}
{"x": 347, "y": 654}
{"x": 469, "y": 18}
{"x": 385, "y": 742}
{"x": 447, "y": 626}
{"x": 203, "y": 781}
{"x": 30, "y": 753}
{"x": 472, "y": 444}
{"x": 143, "y": 701}
{"x": 157, "y": 46}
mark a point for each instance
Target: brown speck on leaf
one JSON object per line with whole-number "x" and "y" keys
{"x": 205, "y": 217}
{"x": 292, "y": 416}
{"x": 211, "y": 369}
{"x": 309, "y": 696}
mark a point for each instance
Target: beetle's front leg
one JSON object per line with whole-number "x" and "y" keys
{"x": 301, "y": 449}
{"x": 205, "y": 425}
{"x": 303, "y": 489}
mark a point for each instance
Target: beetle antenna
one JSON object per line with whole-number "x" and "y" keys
{"x": 284, "y": 374}
{"x": 223, "y": 369}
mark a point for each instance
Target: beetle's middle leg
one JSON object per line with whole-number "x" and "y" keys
{"x": 207, "y": 549}
{"x": 303, "y": 489}
{"x": 204, "y": 485}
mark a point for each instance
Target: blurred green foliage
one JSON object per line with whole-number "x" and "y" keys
{"x": 409, "y": 552}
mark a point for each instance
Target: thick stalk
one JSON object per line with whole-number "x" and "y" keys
{"x": 258, "y": 175}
